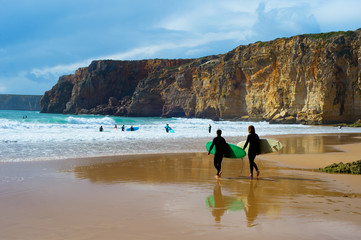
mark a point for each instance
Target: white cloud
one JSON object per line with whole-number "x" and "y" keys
{"x": 198, "y": 41}
{"x": 19, "y": 83}
{"x": 48, "y": 72}
{"x": 338, "y": 15}
{"x": 219, "y": 15}
{"x": 2, "y": 89}
{"x": 187, "y": 29}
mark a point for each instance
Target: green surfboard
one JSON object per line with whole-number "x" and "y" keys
{"x": 234, "y": 151}
{"x": 228, "y": 202}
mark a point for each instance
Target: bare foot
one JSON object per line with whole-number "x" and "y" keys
{"x": 258, "y": 173}
{"x": 220, "y": 174}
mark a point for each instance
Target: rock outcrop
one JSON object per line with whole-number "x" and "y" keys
{"x": 310, "y": 79}
{"x": 20, "y": 102}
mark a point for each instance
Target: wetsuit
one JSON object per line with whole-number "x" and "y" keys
{"x": 253, "y": 141}
{"x": 221, "y": 148}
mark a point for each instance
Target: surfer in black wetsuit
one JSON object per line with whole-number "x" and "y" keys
{"x": 253, "y": 141}
{"x": 210, "y": 128}
{"x": 123, "y": 127}
{"x": 131, "y": 128}
{"x": 101, "y": 129}
{"x": 221, "y": 148}
{"x": 167, "y": 128}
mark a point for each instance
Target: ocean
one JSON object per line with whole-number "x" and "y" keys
{"x": 34, "y": 136}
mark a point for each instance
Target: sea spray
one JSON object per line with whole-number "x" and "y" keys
{"x": 30, "y": 136}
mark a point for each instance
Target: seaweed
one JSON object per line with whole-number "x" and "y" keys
{"x": 352, "y": 168}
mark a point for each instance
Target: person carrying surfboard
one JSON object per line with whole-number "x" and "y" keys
{"x": 221, "y": 148}
{"x": 253, "y": 151}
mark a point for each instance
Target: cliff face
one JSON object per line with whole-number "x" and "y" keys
{"x": 20, "y": 102}
{"x": 312, "y": 79}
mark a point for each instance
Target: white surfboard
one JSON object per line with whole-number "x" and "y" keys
{"x": 265, "y": 145}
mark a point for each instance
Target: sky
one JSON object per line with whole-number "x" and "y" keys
{"x": 41, "y": 40}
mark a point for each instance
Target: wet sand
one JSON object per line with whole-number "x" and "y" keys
{"x": 175, "y": 196}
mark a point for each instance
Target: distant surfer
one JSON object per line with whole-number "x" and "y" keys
{"x": 167, "y": 128}
{"x": 210, "y": 128}
{"x": 221, "y": 148}
{"x": 101, "y": 129}
{"x": 123, "y": 128}
{"x": 116, "y": 126}
{"x": 131, "y": 128}
{"x": 253, "y": 151}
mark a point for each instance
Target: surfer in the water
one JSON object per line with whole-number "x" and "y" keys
{"x": 221, "y": 148}
{"x": 167, "y": 128}
{"x": 253, "y": 141}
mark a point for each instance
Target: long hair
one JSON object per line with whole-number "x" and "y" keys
{"x": 251, "y": 129}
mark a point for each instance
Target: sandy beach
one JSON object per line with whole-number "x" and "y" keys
{"x": 176, "y": 196}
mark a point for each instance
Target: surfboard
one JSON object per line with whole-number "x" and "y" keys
{"x": 170, "y": 129}
{"x": 135, "y": 129}
{"x": 230, "y": 203}
{"x": 234, "y": 151}
{"x": 265, "y": 145}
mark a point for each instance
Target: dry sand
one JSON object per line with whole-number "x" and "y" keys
{"x": 175, "y": 196}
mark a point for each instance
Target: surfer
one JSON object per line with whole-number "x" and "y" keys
{"x": 116, "y": 126}
{"x": 131, "y": 128}
{"x": 210, "y": 128}
{"x": 221, "y": 148}
{"x": 101, "y": 129}
{"x": 253, "y": 141}
{"x": 123, "y": 127}
{"x": 167, "y": 128}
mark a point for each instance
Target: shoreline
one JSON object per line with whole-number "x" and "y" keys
{"x": 175, "y": 195}
{"x": 315, "y": 143}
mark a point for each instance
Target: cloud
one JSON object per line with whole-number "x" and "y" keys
{"x": 53, "y": 39}
{"x": 2, "y": 89}
{"x": 216, "y": 16}
{"x": 48, "y": 72}
{"x": 20, "y": 83}
{"x": 58, "y": 70}
{"x": 194, "y": 45}
{"x": 334, "y": 15}
{"x": 195, "y": 32}
{"x": 284, "y": 21}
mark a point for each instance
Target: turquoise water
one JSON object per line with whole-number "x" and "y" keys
{"x": 30, "y": 135}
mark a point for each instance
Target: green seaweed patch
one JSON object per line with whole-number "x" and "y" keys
{"x": 352, "y": 168}
{"x": 355, "y": 124}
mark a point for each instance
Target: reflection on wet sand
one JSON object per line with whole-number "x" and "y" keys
{"x": 251, "y": 208}
{"x": 276, "y": 193}
{"x": 315, "y": 143}
{"x": 220, "y": 203}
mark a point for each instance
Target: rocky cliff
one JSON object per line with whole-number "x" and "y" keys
{"x": 20, "y": 102}
{"x": 311, "y": 79}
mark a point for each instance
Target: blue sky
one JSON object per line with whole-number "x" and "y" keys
{"x": 41, "y": 40}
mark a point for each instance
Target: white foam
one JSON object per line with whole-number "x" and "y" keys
{"x": 44, "y": 136}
